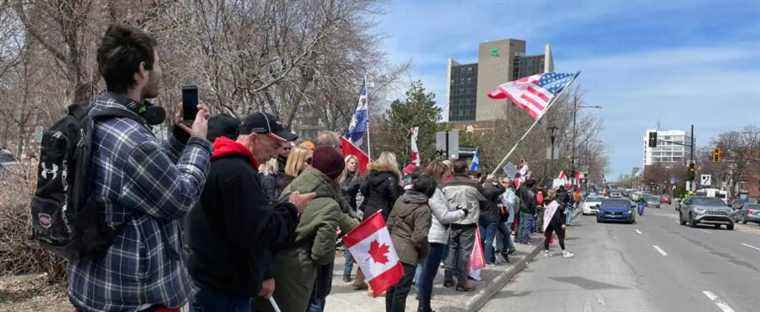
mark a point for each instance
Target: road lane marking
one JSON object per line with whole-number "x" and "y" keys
{"x": 710, "y": 295}
{"x": 750, "y": 246}
{"x": 662, "y": 252}
{"x": 722, "y": 305}
{"x": 638, "y": 232}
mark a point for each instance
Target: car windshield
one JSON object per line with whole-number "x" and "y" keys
{"x": 706, "y": 201}
{"x": 651, "y": 198}
{"x": 616, "y": 203}
{"x": 753, "y": 206}
{"x": 594, "y": 199}
{"x": 6, "y": 157}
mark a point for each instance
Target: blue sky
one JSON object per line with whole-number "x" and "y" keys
{"x": 673, "y": 62}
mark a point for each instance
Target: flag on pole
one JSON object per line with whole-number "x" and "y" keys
{"x": 349, "y": 149}
{"x": 358, "y": 126}
{"x": 475, "y": 164}
{"x": 372, "y": 248}
{"x": 533, "y": 93}
{"x": 477, "y": 258}
{"x": 415, "y": 155}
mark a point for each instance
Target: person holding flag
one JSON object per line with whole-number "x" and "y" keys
{"x": 408, "y": 224}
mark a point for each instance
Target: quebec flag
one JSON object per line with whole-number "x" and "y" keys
{"x": 358, "y": 126}
{"x": 475, "y": 164}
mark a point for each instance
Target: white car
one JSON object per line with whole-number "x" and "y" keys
{"x": 591, "y": 205}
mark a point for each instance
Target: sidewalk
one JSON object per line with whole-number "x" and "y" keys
{"x": 494, "y": 278}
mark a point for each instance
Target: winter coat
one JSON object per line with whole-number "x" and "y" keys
{"x": 442, "y": 215}
{"x": 564, "y": 198}
{"x": 350, "y": 188}
{"x": 408, "y": 224}
{"x": 275, "y": 182}
{"x": 295, "y": 269}
{"x": 464, "y": 193}
{"x": 489, "y": 209}
{"x": 380, "y": 191}
{"x": 232, "y": 234}
{"x": 528, "y": 199}
{"x": 512, "y": 203}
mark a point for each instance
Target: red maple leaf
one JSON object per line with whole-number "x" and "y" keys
{"x": 377, "y": 252}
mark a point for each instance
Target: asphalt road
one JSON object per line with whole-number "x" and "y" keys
{"x": 653, "y": 265}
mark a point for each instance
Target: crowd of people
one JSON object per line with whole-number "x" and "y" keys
{"x": 234, "y": 211}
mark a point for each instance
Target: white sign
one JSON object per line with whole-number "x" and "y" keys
{"x": 706, "y": 179}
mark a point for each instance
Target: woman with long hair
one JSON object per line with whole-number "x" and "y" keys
{"x": 380, "y": 190}
{"x": 349, "y": 182}
{"x": 298, "y": 160}
{"x": 554, "y": 222}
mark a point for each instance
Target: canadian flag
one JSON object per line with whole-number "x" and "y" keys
{"x": 415, "y": 155}
{"x": 349, "y": 148}
{"x": 477, "y": 258}
{"x": 372, "y": 248}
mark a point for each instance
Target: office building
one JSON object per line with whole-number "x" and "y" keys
{"x": 498, "y": 62}
{"x": 671, "y": 149}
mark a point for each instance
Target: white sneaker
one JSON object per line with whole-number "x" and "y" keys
{"x": 567, "y": 254}
{"x": 546, "y": 253}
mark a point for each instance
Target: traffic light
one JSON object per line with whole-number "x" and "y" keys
{"x": 717, "y": 155}
{"x": 692, "y": 171}
{"x": 653, "y": 139}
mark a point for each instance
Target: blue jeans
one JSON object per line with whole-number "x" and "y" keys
{"x": 208, "y": 299}
{"x": 349, "y": 265}
{"x": 504, "y": 237}
{"x": 487, "y": 235}
{"x": 429, "y": 270}
{"x": 527, "y": 223}
{"x": 417, "y": 274}
{"x": 316, "y": 304}
{"x": 569, "y": 214}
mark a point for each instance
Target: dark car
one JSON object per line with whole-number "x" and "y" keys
{"x": 748, "y": 213}
{"x": 616, "y": 210}
{"x": 707, "y": 210}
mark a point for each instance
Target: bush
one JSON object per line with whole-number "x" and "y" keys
{"x": 18, "y": 253}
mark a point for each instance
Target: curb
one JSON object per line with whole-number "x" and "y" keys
{"x": 483, "y": 296}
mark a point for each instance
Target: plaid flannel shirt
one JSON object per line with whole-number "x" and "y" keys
{"x": 145, "y": 188}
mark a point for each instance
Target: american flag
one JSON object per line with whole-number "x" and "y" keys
{"x": 533, "y": 93}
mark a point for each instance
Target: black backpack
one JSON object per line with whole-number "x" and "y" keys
{"x": 64, "y": 218}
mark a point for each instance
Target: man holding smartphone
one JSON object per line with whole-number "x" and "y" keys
{"x": 142, "y": 187}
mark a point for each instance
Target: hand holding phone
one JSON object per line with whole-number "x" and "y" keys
{"x": 189, "y": 102}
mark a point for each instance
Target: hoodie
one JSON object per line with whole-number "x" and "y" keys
{"x": 232, "y": 235}
{"x": 408, "y": 224}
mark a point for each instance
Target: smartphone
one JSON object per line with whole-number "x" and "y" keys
{"x": 189, "y": 102}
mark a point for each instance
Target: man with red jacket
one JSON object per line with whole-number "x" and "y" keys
{"x": 233, "y": 233}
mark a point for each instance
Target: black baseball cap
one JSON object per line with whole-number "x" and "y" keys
{"x": 223, "y": 125}
{"x": 265, "y": 123}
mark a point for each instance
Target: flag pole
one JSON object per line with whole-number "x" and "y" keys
{"x": 369, "y": 117}
{"x": 548, "y": 107}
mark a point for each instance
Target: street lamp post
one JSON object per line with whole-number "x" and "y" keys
{"x": 575, "y": 111}
{"x": 552, "y": 137}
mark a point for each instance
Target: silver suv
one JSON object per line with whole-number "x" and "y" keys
{"x": 707, "y": 210}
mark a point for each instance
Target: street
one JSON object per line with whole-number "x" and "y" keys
{"x": 653, "y": 265}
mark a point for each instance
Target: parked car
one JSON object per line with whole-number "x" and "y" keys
{"x": 616, "y": 210}
{"x": 739, "y": 202}
{"x": 748, "y": 212}
{"x": 707, "y": 210}
{"x": 665, "y": 199}
{"x": 652, "y": 201}
{"x": 591, "y": 205}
